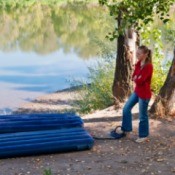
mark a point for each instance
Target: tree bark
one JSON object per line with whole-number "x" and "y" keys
{"x": 126, "y": 58}
{"x": 164, "y": 104}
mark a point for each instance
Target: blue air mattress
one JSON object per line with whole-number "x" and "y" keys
{"x": 42, "y": 142}
{"x": 35, "y": 122}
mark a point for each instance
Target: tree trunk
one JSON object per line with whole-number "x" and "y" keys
{"x": 126, "y": 58}
{"x": 164, "y": 104}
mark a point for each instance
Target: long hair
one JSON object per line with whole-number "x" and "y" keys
{"x": 147, "y": 51}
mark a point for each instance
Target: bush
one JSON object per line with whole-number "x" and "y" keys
{"x": 96, "y": 92}
{"x": 159, "y": 76}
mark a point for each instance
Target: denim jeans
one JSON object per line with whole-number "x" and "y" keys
{"x": 143, "y": 115}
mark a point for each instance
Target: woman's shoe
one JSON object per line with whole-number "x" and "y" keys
{"x": 142, "y": 139}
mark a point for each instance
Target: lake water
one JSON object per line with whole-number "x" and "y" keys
{"x": 43, "y": 46}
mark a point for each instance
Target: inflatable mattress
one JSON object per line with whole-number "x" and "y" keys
{"x": 34, "y": 134}
{"x": 34, "y": 122}
{"x": 44, "y": 142}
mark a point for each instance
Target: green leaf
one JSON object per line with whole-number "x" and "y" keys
{"x": 102, "y": 2}
{"x": 166, "y": 20}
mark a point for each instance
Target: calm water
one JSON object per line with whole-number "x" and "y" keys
{"x": 43, "y": 46}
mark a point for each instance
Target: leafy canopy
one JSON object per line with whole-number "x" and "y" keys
{"x": 137, "y": 13}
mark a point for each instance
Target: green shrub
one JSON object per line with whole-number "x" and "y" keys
{"x": 96, "y": 92}
{"x": 159, "y": 76}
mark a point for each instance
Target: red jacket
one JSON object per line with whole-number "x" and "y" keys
{"x": 143, "y": 80}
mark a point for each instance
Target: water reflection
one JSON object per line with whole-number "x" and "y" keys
{"x": 44, "y": 29}
{"x": 45, "y": 75}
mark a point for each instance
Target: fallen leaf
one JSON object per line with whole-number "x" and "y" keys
{"x": 160, "y": 160}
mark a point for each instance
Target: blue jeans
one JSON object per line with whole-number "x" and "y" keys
{"x": 143, "y": 115}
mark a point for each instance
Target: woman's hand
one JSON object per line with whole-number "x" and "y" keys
{"x": 134, "y": 78}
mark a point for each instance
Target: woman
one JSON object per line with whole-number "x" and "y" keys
{"x": 142, "y": 77}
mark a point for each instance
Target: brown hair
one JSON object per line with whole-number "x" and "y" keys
{"x": 147, "y": 51}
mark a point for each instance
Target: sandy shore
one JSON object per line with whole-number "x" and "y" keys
{"x": 108, "y": 157}
{"x": 54, "y": 102}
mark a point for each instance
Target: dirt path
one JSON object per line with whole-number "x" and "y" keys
{"x": 108, "y": 157}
